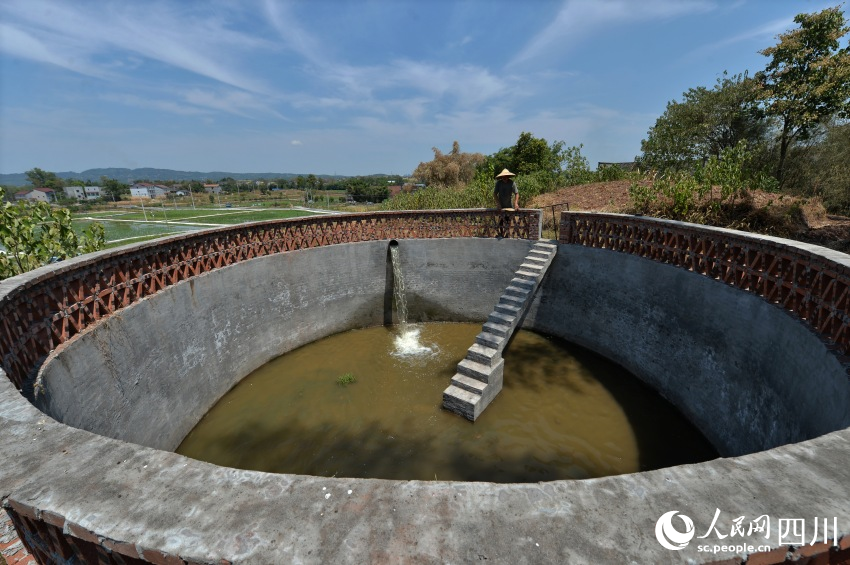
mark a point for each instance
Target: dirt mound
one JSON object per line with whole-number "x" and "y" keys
{"x": 804, "y": 219}
{"x": 612, "y": 196}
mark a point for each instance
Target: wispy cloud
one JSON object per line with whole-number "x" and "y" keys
{"x": 160, "y": 105}
{"x": 360, "y": 86}
{"x": 84, "y": 32}
{"x": 579, "y": 19}
{"x": 764, "y": 33}
{"x": 235, "y": 102}
{"x": 21, "y": 44}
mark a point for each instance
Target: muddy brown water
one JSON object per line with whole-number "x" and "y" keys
{"x": 564, "y": 413}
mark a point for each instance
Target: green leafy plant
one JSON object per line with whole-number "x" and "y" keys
{"x": 346, "y": 379}
{"x": 33, "y": 234}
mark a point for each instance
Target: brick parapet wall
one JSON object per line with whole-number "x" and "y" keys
{"x": 813, "y": 287}
{"x": 48, "y": 308}
{"x": 782, "y": 272}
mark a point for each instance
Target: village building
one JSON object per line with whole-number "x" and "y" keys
{"x": 147, "y": 190}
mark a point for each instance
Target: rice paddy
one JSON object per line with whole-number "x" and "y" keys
{"x": 133, "y": 225}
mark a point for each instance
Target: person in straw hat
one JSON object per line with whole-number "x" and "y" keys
{"x": 506, "y": 192}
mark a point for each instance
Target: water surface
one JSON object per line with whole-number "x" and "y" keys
{"x": 564, "y": 413}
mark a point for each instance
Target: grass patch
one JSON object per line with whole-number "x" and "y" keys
{"x": 132, "y": 231}
{"x": 346, "y": 379}
{"x": 132, "y": 227}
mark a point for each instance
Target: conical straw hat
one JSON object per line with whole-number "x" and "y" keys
{"x": 505, "y": 173}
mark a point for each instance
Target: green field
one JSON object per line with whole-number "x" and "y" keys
{"x": 134, "y": 225}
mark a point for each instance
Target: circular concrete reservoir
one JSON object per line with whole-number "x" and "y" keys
{"x": 112, "y": 358}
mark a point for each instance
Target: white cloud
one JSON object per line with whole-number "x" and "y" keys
{"x": 83, "y": 31}
{"x": 295, "y": 142}
{"x": 159, "y": 105}
{"x": 578, "y": 19}
{"x": 21, "y": 44}
{"x": 235, "y": 102}
{"x": 764, "y": 33}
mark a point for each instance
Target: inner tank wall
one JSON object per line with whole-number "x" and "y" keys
{"x": 749, "y": 375}
{"x": 148, "y": 374}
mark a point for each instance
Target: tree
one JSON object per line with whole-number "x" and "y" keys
{"x": 531, "y": 155}
{"x": 44, "y": 179}
{"x": 452, "y": 169}
{"x": 705, "y": 123}
{"x": 112, "y": 188}
{"x": 34, "y": 234}
{"x": 808, "y": 78}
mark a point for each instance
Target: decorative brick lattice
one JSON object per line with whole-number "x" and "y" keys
{"x": 41, "y": 315}
{"x": 811, "y": 287}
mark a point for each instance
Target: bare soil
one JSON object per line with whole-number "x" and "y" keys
{"x": 803, "y": 219}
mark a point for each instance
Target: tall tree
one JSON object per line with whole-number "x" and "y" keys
{"x": 704, "y": 123}
{"x": 808, "y": 78}
{"x": 39, "y": 178}
{"x": 531, "y": 155}
{"x": 112, "y": 188}
{"x": 451, "y": 169}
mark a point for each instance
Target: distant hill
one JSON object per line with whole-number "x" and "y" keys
{"x": 151, "y": 174}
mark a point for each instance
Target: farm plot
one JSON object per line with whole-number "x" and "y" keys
{"x": 134, "y": 225}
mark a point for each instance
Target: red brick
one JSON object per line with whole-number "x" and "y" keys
{"x": 53, "y": 519}
{"x": 124, "y": 548}
{"x": 22, "y": 509}
{"x": 159, "y": 558}
{"x": 772, "y": 557}
{"x": 82, "y": 533}
{"x": 844, "y": 543}
{"x": 810, "y": 550}
{"x": 21, "y": 558}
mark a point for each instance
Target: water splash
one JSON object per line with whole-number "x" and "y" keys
{"x": 407, "y": 343}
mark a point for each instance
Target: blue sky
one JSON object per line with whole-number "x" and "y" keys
{"x": 331, "y": 86}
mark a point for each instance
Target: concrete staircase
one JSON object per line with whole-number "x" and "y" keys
{"x": 479, "y": 376}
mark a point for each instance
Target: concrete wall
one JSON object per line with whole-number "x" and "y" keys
{"x": 148, "y": 374}
{"x": 750, "y": 376}
{"x": 108, "y": 498}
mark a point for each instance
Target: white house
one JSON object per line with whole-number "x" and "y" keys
{"x": 147, "y": 190}
{"x": 84, "y": 192}
{"x": 38, "y": 194}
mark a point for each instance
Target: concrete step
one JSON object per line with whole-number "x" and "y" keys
{"x": 475, "y": 370}
{"x": 543, "y": 246}
{"x": 461, "y": 402}
{"x": 480, "y": 376}
{"x": 522, "y": 283}
{"x": 517, "y": 301}
{"x": 488, "y": 339}
{"x": 508, "y": 309}
{"x": 485, "y": 355}
{"x": 528, "y": 275}
{"x": 468, "y": 384}
{"x": 518, "y": 291}
{"x": 500, "y": 330}
{"x": 538, "y": 257}
{"x": 502, "y": 319}
{"x": 532, "y": 267}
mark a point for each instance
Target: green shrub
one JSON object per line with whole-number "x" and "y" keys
{"x": 346, "y": 379}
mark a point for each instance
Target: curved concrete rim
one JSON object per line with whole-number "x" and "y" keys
{"x": 164, "y": 505}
